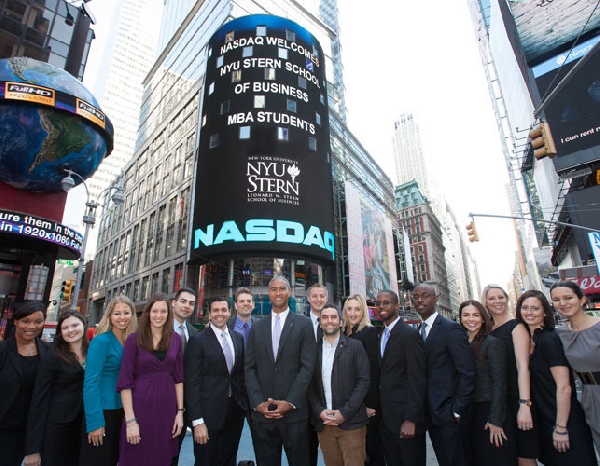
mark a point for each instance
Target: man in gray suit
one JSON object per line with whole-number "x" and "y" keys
{"x": 280, "y": 361}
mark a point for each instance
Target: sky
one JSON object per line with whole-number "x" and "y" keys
{"x": 423, "y": 57}
{"x": 417, "y": 56}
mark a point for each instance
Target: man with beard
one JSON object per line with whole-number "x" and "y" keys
{"x": 338, "y": 391}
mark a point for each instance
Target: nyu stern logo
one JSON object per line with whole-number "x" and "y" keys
{"x": 273, "y": 178}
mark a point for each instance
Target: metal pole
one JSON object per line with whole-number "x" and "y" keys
{"x": 89, "y": 220}
{"x": 537, "y": 220}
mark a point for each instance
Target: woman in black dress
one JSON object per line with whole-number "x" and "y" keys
{"x": 565, "y": 437}
{"x": 358, "y": 326}
{"x": 490, "y": 446}
{"x": 56, "y": 412}
{"x": 19, "y": 359}
{"x": 519, "y": 416}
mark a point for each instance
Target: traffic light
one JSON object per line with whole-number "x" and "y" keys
{"x": 541, "y": 141}
{"x": 472, "y": 232}
{"x": 66, "y": 290}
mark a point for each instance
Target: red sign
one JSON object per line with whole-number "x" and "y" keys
{"x": 589, "y": 285}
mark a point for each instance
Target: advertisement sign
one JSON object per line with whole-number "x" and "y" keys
{"x": 574, "y": 115}
{"x": 29, "y": 226}
{"x": 547, "y": 27}
{"x": 263, "y": 180}
{"x": 371, "y": 264}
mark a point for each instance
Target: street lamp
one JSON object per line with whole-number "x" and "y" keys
{"x": 89, "y": 219}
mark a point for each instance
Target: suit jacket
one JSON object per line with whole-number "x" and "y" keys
{"x": 286, "y": 378}
{"x": 403, "y": 379}
{"x": 10, "y": 371}
{"x": 231, "y": 322}
{"x": 207, "y": 379}
{"x": 103, "y": 364}
{"x": 451, "y": 371}
{"x": 349, "y": 384}
{"x": 370, "y": 341}
{"x": 57, "y": 398}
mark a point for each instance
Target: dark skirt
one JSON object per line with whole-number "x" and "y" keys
{"x": 483, "y": 452}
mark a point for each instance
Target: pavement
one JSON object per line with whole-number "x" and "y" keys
{"x": 246, "y": 452}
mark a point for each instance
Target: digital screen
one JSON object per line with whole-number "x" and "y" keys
{"x": 25, "y": 225}
{"x": 264, "y": 179}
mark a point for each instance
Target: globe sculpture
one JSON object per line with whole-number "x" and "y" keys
{"x": 49, "y": 122}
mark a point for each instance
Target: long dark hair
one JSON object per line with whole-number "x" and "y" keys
{"x": 144, "y": 333}
{"x": 548, "y": 316}
{"x": 484, "y": 331}
{"x": 61, "y": 347}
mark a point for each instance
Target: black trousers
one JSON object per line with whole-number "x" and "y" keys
{"x": 402, "y": 451}
{"x": 107, "y": 453}
{"x": 270, "y": 437}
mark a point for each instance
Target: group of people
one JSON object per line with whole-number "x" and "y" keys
{"x": 492, "y": 389}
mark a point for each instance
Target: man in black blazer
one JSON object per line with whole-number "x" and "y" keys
{"x": 183, "y": 304}
{"x": 280, "y": 361}
{"x": 242, "y": 322}
{"x": 338, "y": 390}
{"x": 214, "y": 389}
{"x": 402, "y": 386}
{"x": 451, "y": 380}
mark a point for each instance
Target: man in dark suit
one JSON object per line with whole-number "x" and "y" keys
{"x": 183, "y": 307}
{"x": 242, "y": 322}
{"x": 450, "y": 380}
{"x": 214, "y": 389}
{"x": 280, "y": 361}
{"x": 338, "y": 390}
{"x": 402, "y": 386}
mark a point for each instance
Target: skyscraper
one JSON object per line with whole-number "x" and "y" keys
{"x": 408, "y": 153}
{"x": 143, "y": 247}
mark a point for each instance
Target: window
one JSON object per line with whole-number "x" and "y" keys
{"x": 229, "y": 37}
{"x": 166, "y": 283}
{"x": 211, "y": 88}
{"x": 318, "y": 119}
{"x": 225, "y": 107}
{"x": 236, "y": 76}
{"x": 282, "y": 53}
{"x": 244, "y": 132}
{"x": 220, "y": 61}
{"x": 312, "y": 143}
{"x": 261, "y": 30}
{"x": 283, "y": 134}
{"x": 247, "y": 51}
{"x": 259, "y": 101}
{"x": 270, "y": 74}
{"x": 214, "y": 141}
{"x": 290, "y": 35}
{"x": 302, "y": 82}
{"x": 291, "y": 105}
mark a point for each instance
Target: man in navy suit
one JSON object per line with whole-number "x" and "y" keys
{"x": 450, "y": 380}
{"x": 280, "y": 361}
{"x": 214, "y": 388}
{"x": 402, "y": 386}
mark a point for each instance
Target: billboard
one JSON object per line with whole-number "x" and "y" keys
{"x": 574, "y": 114}
{"x": 263, "y": 179}
{"x": 548, "y": 27}
{"x": 371, "y": 264}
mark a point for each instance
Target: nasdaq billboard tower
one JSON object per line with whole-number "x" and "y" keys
{"x": 264, "y": 178}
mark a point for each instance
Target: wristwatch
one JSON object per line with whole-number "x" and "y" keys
{"x": 525, "y": 402}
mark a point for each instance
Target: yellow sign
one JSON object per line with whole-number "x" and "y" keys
{"x": 30, "y": 93}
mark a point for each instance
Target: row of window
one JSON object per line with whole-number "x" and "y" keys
{"x": 141, "y": 289}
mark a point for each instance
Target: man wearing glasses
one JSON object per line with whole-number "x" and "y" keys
{"x": 402, "y": 386}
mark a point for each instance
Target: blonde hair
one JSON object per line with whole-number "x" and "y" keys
{"x": 486, "y": 291}
{"x": 105, "y": 325}
{"x": 364, "y": 321}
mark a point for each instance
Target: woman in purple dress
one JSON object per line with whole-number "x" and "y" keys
{"x": 151, "y": 387}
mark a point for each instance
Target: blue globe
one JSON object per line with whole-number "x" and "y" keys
{"x": 39, "y": 141}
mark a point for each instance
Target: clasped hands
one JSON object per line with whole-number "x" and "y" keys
{"x": 274, "y": 409}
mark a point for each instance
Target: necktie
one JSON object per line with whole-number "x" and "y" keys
{"x": 227, "y": 353}
{"x": 276, "y": 335}
{"x": 424, "y": 331}
{"x": 246, "y": 330}
{"x": 183, "y": 338}
{"x": 386, "y": 335}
